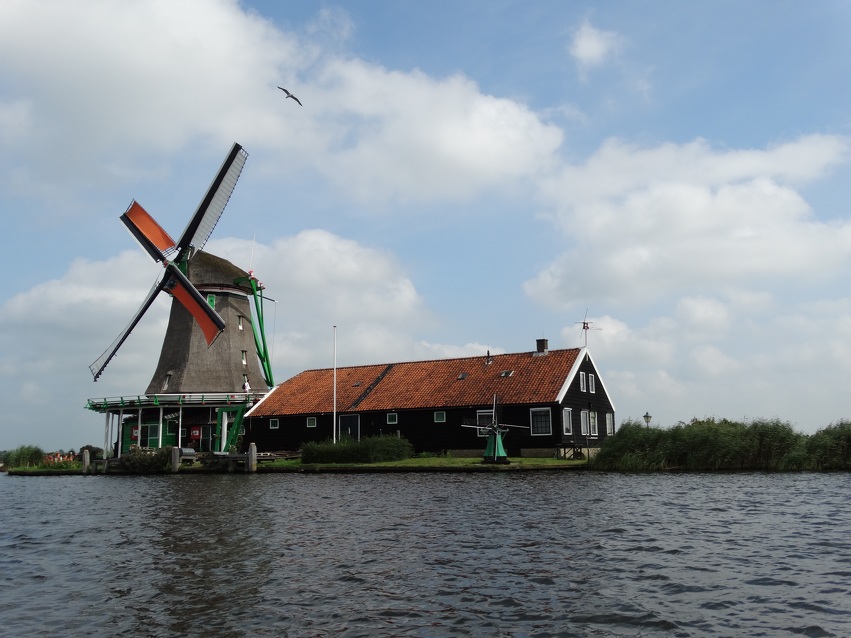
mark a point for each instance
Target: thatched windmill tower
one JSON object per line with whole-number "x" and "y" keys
{"x": 187, "y": 364}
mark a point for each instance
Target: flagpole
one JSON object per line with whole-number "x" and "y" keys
{"x": 334, "y": 435}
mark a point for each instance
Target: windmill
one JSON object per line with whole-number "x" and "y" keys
{"x": 494, "y": 450}
{"x": 210, "y": 330}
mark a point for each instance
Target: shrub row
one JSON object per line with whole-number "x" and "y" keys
{"x": 145, "y": 461}
{"x": 372, "y": 449}
{"x": 707, "y": 444}
{"x": 24, "y": 456}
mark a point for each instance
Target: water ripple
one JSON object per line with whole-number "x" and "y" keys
{"x": 533, "y": 555}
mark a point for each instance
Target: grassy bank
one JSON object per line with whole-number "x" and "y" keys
{"x": 423, "y": 464}
{"x": 415, "y": 464}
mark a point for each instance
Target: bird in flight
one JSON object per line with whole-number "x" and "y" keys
{"x": 290, "y": 95}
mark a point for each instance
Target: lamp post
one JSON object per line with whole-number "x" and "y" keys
{"x": 647, "y": 419}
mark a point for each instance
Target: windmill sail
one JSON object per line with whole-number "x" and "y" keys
{"x": 100, "y": 363}
{"x": 175, "y": 283}
{"x": 148, "y": 232}
{"x": 201, "y": 226}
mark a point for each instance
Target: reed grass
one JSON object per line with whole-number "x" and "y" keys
{"x": 724, "y": 445}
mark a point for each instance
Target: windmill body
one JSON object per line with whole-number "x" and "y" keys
{"x": 187, "y": 364}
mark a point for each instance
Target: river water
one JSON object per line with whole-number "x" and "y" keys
{"x": 502, "y": 554}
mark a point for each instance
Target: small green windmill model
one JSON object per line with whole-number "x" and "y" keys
{"x": 494, "y": 449}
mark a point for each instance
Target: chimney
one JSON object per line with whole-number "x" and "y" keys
{"x": 542, "y": 346}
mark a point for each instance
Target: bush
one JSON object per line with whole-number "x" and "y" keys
{"x": 25, "y": 456}
{"x": 830, "y": 448}
{"x": 139, "y": 461}
{"x": 372, "y": 449}
{"x": 704, "y": 445}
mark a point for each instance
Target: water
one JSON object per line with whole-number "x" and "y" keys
{"x": 531, "y": 554}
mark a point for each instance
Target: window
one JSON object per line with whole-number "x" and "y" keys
{"x": 440, "y": 416}
{"x": 311, "y": 421}
{"x": 245, "y": 357}
{"x": 171, "y": 428}
{"x": 540, "y": 418}
{"x": 583, "y": 422}
{"x": 182, "y": 433}
{"x": 506, "y": 373}
{"x": 166, "y": 381}
{"x": 591, "y": 387}
{"x": 239, "y": 322}
{"x": 483, "y": 418}
{"x": 211, "y": 299}
{"x": 592, "y": 421}
{"x": 582, "y": 382}
{"x": 463, "y": 376}
{"x": 567, "y": 421}
{"x": 392, "y": 418}
{"x": 273, "y": 424}
{"x": 610, "y": 423}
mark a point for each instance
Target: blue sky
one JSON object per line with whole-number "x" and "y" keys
{"x": 463, "y": 176}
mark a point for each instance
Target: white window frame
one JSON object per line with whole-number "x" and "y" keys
{"x": 274, "y": 424}
{"x": 592, "y": 422}
{"x": 311, "y": 422}
{"x": 582, "y": 386}
{"x": 487, "y": 416}
{"x": 440, "y": 416}
{"x": 392, "y": 418}
{"x": 592, "y": 387}
{"x": 583, "y": 422}
{"x": 567, "y": 421}
{"x": 610, "y": 423}
{"x": 548, "y": 412}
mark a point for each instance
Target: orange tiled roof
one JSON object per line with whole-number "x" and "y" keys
{"x": 533, "y": 378}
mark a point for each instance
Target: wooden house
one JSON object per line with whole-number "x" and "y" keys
{"x": 557, "y": 394}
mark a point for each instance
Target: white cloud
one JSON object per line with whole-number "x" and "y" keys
{"x": 703, "y": 317}
{"x": 647, "y": 223}
{"x": 711, "y": 362}
{"x": 405, "y": 136}
{"x": 592, "y": 47}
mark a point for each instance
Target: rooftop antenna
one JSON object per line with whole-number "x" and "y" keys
{"x": 586, "y": 326}
{"x": 251, "y": 257}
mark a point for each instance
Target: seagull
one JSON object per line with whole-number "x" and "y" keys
{"x": 290, "y": 95}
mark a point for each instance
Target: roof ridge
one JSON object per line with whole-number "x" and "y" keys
{"x": 470, "y": 358}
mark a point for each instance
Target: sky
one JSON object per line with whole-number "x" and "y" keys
{"x": 462, "y": 177}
